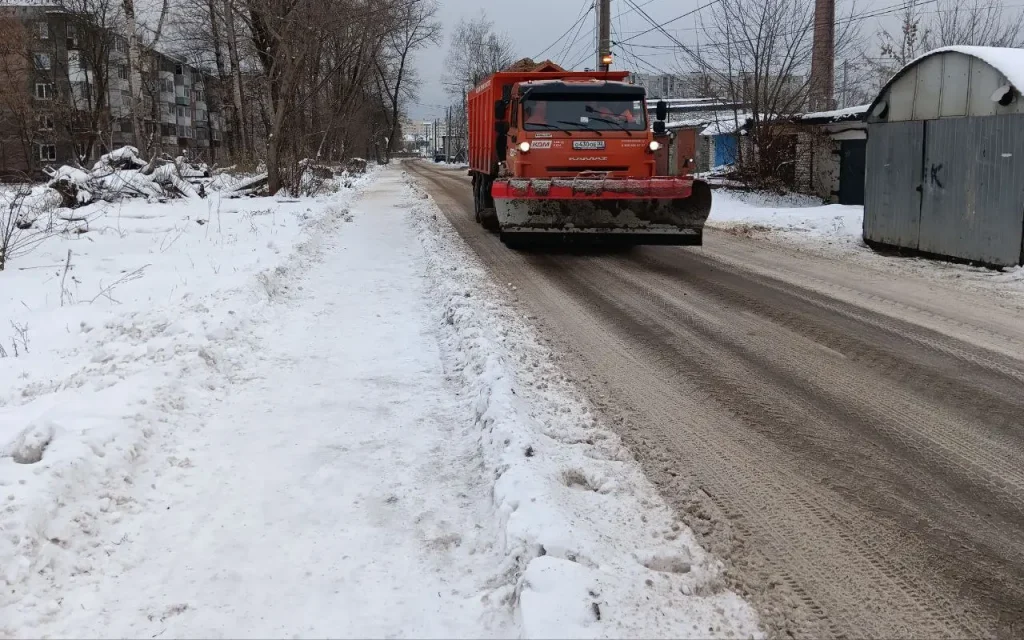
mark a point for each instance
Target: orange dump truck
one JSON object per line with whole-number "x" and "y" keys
{"x": 565, "y": 154}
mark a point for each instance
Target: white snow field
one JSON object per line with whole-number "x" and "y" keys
{"x": 307, "y": 419}
{"x": 804, "y": 224}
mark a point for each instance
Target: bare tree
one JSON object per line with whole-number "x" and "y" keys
{"x": 758, "y": 53}
{"x": 975, "y": 23}
{"x": 131, "y": 30}
{"x": 238, "y": 119}
{"x": 475, "y": 52}
{"x": 416, "y": 28}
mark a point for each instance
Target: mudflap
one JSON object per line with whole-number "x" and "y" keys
{"x": 654, "y": 221}
{"x": 489, "y": 219}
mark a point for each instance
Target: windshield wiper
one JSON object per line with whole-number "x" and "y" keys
{"x": 545, "y": 124}
{"x": 582, "y": 124}
{"x": 614, "y": 122}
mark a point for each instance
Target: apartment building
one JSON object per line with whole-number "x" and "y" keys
{"x": 65, "y": 94}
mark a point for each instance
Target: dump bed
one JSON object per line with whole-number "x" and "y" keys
{"x": 482, "y": 137}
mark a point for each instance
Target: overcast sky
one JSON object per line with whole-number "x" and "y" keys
{"x": 533, "y": 25}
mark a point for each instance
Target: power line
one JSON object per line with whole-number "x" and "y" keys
{"x": 593, "y": 29}
{"x": 576, "y": 37}
{"x": 587, "y": 6}
{"x": 661, "y": 27}
{"x": 867, "y": 16}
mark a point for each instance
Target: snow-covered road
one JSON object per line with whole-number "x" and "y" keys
{"x": 355, "y": 437}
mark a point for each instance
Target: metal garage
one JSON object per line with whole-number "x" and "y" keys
{"x": 945, "y": 157}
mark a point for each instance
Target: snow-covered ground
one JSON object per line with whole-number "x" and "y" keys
{"x": 315, "y": 417}
{"x": 803, "y": 223}
{"x": 795, "y": 214}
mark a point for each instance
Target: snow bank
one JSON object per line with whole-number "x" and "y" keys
{"x": 591, "y": 549}
{"x": 837, "y": 231}
{"x": 795, "y": 214}
{"x": 104, "y": 337}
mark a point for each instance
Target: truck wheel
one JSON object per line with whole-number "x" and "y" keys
{"x": 477, "y": 205}
{"x": 489, "y": 219}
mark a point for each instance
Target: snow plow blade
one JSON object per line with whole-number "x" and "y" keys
{"x": 665, "y": 211}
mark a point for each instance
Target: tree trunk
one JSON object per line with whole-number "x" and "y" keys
{"x": 395, "y": 126}
{"x": 218, "y": 58}
{"x": 238, "y": 115}
{"x": 134, "y": 73}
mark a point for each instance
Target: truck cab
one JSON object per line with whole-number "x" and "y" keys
{"x": 572, "y": 127}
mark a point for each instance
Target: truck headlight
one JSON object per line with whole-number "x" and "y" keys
{"x": 655, "y": 145}
{"x": 524, "y": 146}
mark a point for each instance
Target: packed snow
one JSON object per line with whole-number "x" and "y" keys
{"x": 592, "y": 548}
{"x": 837, "y": 230}
{"x": 312, "y": 417}
{"x": 793, "y": 213}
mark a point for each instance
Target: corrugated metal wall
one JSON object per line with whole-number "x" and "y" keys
{"x": 973, "y": 192}
{"x": 892, "y": 202}
{"x": 952, "y": 186}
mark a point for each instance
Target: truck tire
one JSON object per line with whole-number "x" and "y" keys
{"x": 477, "y": 204}
{"x": 489, "y": 219}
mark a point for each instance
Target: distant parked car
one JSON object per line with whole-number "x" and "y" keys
{"x": 439, "y": 157}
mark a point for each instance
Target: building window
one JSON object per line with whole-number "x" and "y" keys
{"x": 200, "y": 95}
{"x": 48, "y": 153}
{"x": 42, "y": 61}
{"x": 120, "y": 45}
{"x": 45, "y": 122}
{"x": 44, "y": 91}
{"x": 44, "y": 31}
{"x": 179, "y": 70}
{"x": 168, "y": 86}
{"x": 170, "y": 108}
{"x": 122, "y": 71}
{"x": 81, "y": 152}
{"x": 216, "y": 135}
{"x": 181, "y": 111}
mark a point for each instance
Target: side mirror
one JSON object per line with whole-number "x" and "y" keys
{"x": 659, "y": 127}
{"x": 661, "y": 110}
{"x": 499, "y": 110}
{"x": 501, "y": 127}
{"x": 506, "y": 93}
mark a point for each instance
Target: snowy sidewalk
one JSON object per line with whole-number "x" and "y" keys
{"x": 327, "y": 496}
{"x": 364, "y": 440}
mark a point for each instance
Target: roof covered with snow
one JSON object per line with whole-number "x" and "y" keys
{"x": 1005, "y": 60}
{"x": 996, "y": 65}
{"x": 837, "y": 115}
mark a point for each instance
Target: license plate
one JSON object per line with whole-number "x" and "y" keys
{"x": 588, "y": 144}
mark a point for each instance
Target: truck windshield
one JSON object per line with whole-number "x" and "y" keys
{"x": 577, "y": 113}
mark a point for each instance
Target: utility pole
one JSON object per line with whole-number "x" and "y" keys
{"x": 604, "y": 34}
{"x": 823, "y": 55}
{"x": 846, "y": 68}
{"x": 448, "y": 136}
